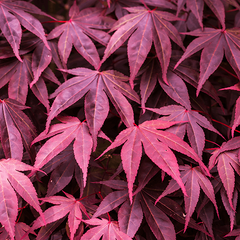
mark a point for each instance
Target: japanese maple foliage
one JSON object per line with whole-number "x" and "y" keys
{"x": 119, "y": 119}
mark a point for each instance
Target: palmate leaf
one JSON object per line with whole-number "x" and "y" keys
{"x": 193, "y": 180}
{"x": 107, "y": 229}
{"x": 76, "y": 31}
{"x": 63, "y": 206}
{"x": 97, "y": 86}
{"x": 11, "y": 179}
{"x": 20, "y": 231}
{"x": 236, "y": 121}
{"x": 215, "y": 42}
{"x": 144, "y": 27}
{"x": 20, "y": 75}
{"x": 157, "y": 144}
{"x": 61, "y": 136}
{"x": 194, "y": 122}
{"x": 227, "y": 160}
{"x": 16, "y": 129}
{"x": 13, "y": 15}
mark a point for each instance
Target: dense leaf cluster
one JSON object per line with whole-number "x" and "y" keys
{"x": 118, "y": 119}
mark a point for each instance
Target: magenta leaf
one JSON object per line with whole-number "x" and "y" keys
{"x": 159, "y": 152}
{"x": 144, "y": 27}
{"x": 76, "y": 31}
{"x": 13, "y": 16}
{"x": 193, "y": 180}
{"x": 194, "y": 119}
{"x": 213, "y": 41}
{"x": 71, "y": 129}
{"x": 105, "y": 228}
{"x": 16, "y": 129}
{"x": 64, "y": 205}
{"x": 97, "y": 86}
{"x": 227, "y": 161}
{"x": 11, "y": 179}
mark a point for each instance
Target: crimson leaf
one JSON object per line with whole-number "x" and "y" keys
{"x": 157, "y": 144}
{"x": 144, "y": 26}
{"x": 215, "y": 42}
{"x": 13, "y": 14}
{"x": 193, "y": 179}
{"x": 11, "y": 178}
{"x": 75, "y": 31}
{"x": 96, "y": 86}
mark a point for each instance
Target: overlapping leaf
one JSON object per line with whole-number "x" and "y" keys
{"x": 63, "y": 206}
{"x": 16, "y": 129}
{"x": 11, "y": 179}
{"x": 197, "y": 6}
{"x": 236, "y": 121}
{"x": 194, "y": 121}
{"x": 97, "y": 86}
{"x": 105, "y": 228}
{"x": 20, "y": 231}
{"x": 215, "y": 42}
{"x": 144, "y": 26}
{"x": 193, "y": 179}
{"x": 13, "y": 15}
{"x": 175, "y": 89}
{"x": 19, "y": 75}
{"x": 157, "y": 144}
{"x": 61, "y": 136}
{"x": 119, "y": 6}
{"x": 76, "y": 31}
{"x": 227, "y": 160}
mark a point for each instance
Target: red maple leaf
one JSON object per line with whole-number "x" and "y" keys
{"x": 157, "y": 144}
{"x": 14, "y": 14}
{"x": 61, "y": 137}
{"x": 215, "y": 42}
{"x": 97, "y": 87}
{"x": 64, "y": 205}
{"x": 144, "y": 26}
{"x": 227, "y": 160}
{"x": 193, "y": 180}
{"x": 11, "y": 179}
{"x": 76, "y": 31}
{"x": 194, "y": 122}
{"x": 16, "y": 129}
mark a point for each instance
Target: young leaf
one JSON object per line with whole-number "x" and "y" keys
{"x": 64, "y": 205}
{"x": 71, "y": 129}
